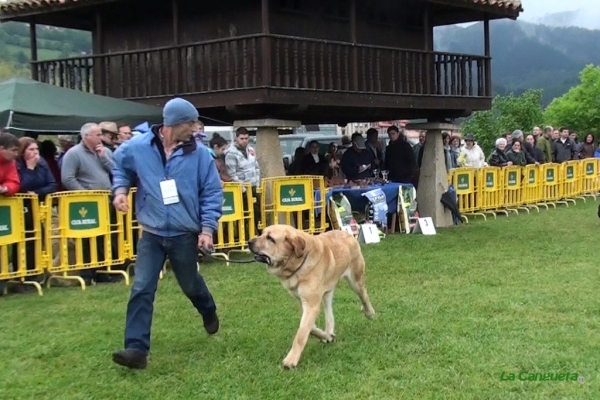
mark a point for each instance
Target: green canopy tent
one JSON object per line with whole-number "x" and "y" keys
{"x": 28, "y": 105}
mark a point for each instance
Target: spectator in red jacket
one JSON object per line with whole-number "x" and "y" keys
{"x": 9, "y": 177}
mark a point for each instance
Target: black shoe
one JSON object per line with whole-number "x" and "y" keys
{"x": 211, "y": 323}
{"x": 130, "y": 358}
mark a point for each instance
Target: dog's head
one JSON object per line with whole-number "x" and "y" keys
{"x": 277, "y": 245}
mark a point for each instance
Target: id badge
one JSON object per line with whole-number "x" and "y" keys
{"x": 168, "y": 189}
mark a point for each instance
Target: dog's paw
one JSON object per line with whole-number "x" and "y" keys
{"x": 330, "y": 338}
{"x": 289, "y": 363}
{"x": 369, "y": 313}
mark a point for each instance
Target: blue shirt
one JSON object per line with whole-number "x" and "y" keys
{"x": 142, "y": 160}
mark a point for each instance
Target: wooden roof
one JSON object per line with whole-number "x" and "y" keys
{"x": 16, "y": 8}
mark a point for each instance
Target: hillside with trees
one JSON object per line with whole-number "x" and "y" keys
{"x": 52, "y": 43}
{"x": 527, "y": 56}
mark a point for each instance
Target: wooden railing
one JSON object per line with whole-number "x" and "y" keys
{"x": 277, "y": 61}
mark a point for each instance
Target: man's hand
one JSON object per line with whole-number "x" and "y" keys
{"x": 3, "y": 189}
{"x": 121, "y": 203}
{"x": 509, "y": 164}
{"x": 205, "y": 242}
{"x": 100, "y": 150}
{"x": 537, "y": 164}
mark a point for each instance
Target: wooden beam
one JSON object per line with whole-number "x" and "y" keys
{"x": 177, "y": 64}
{"x": 9, "y": 15}
{"x": 175, "y": 14}
{"x": 488, "y": 53}
{"x": 428, "y": 46}
{"x": 497, "y": 11}
{"x": 265, "y": 18}
{"x": 98, "y": 71}
{"x": 33, "y": 48}
{"x": 354, "y": 40}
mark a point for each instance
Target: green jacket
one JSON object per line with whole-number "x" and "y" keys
{"x": 516, "y": 158}
{"x": 545, "y": 145}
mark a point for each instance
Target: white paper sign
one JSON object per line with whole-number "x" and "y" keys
{"x": 425, "y": 226}
{"x": 369, "y": 233}
{"x": 348, "y": 229}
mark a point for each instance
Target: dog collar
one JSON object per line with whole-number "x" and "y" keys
{"x": 301, "y": 265}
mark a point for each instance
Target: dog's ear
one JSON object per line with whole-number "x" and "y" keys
{"x": 298, "y": 244}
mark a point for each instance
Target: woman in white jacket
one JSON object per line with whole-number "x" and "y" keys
{"x": 471, "y": 154}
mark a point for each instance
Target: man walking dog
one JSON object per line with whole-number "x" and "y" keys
{"x": 178, "y": 206}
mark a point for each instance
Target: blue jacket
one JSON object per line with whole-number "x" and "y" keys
{"x": 39, "y": 180}
{"x": 141, "y": 162}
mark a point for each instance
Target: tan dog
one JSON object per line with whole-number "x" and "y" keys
{"x": 309, "y": 267}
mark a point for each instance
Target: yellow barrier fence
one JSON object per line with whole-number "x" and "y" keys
{"x": 525, "y": 187}
{"x": 21, "y": 258}
{"x": 88, "y": 235}
{"x": 465, "y": 182}
{"x": 513, "y": 192}
{"x": 294, "y": 200}
{"x": 532, "y": 187}
{"x": 590, "y": 185}
{"x": 551, "y": 183}
{"x": 570, "y": 181}
{"x": 237, "y": 224}
{"x": 489, "y": 190}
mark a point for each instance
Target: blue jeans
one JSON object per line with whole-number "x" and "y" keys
{"x": 152, "y": 251}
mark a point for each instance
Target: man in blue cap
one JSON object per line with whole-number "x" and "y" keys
{"x": 178, "y": 206}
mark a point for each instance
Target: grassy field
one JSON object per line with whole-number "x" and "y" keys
{"x": 455, "y": 311}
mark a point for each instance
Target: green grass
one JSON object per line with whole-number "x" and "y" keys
{"x": 454, "y": 312}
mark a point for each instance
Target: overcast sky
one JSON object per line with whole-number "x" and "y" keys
{"x": 538, "y": 8}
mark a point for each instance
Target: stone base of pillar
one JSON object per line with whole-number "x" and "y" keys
{"x": 268, "y": 147}
{"x": 433, "y": 176}
{"x": 268, "y": 154}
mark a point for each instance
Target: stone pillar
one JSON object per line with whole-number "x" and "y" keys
{"x": 268, "y": 154}
{"x": 268, "y": 148}
{"x": 433, "y": 177}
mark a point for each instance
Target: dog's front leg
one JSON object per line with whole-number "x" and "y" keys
{"x": 310, "y": 312}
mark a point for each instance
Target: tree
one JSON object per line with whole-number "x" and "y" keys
{"x": 507, "y": 114}
{"x": 8, "y": 71}
{"x": 578, "y": 109}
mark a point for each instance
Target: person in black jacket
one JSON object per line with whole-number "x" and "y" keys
{"x": 498, "y": 157}
{"x": 400, "y": 159}
{"x": 314, "y": 163}
{"x": 538, "y": 154}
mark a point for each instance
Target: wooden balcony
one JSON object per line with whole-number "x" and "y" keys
{"x": 275, "y": 69}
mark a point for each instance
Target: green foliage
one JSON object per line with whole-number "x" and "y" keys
{"x": 578, "y": 109}
{"x": 52, "y": 43}
{"x": 507, "y": 114}
{"x": 10, "y": 70}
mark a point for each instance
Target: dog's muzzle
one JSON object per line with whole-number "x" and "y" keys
{"x": 262, "y": 258}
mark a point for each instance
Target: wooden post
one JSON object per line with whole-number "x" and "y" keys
{"x": 488, "y": 55}
{"x": 427, "y": 36}
{"x": 175, "y": 53}
{"x": 354, "y": 41}
{"x": 99, "y": 66}
{"x": 33, "y": 48}
{"x": 266, "y": 44}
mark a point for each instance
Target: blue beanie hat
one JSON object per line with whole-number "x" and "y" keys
{"x": 179, "y": 111}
